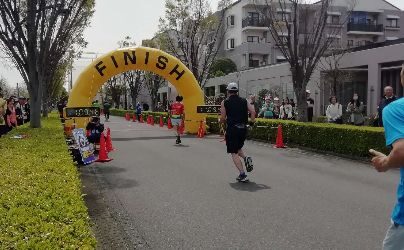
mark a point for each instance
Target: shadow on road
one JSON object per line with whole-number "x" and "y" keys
{"x": 122, "y": 183}
{"x": 181, "y": 145}
{"x": 108, "y": 169}
{"x": 249, "y": 186}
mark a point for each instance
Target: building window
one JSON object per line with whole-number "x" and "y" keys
{"x": 392, "y": 23}
{"x": 230, "y": 43}
{"x": 333, "y": 19}
{"x": 253, "y": 15}
{"x": 253, "y": 39}
{"x": 230, "y": 20}
{"x": 350, "y": 43}
{"x": 253, "y": 63}
{"x": 283, "y": 16}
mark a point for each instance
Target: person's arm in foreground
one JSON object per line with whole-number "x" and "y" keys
{"x": 395, "y": 159}
{"x": 251, "y": 109}
{"x": 222, "y": 113}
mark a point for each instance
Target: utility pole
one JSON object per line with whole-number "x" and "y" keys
{"x": 18, "y": 91}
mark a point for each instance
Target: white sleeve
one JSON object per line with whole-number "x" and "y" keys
{"x": 327, "y": 112}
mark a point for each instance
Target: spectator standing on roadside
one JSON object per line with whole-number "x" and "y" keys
{"x": 286, "y": 110}
{"x": 255, "y": 104}
{"x": 334, "y": 111}
{"x": 393, "y": 120}
{"x": 310, "y": 106}
{"x": 3, "y": 108}
{"x": 11, "y": 117}
{"x": 20, "y": 111}
{"x": 138, "y": 110}
{"x": 267, "y": 110}
{"x": 388, "y": 98}
{"x": 27, "y": 109}
{"x": 277, "y": 106}
{"x": 355, "y": 109}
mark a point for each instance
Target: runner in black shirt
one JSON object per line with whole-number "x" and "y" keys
{"x": 234, "y": 111}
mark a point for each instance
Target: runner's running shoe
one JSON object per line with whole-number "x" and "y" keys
{"x": 242, "y": 178}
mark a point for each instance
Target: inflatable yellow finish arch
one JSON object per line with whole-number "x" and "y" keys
{"x": 140, "y": 58}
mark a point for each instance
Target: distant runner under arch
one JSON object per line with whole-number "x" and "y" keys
{"x": 141, "y": 58}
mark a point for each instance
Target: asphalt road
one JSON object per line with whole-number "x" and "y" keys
{"x": 156, "y": 195}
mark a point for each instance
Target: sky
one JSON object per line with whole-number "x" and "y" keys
{"x": 115, "y": 19}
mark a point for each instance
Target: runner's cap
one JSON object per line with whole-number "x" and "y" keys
{"x": 232, "y": 86}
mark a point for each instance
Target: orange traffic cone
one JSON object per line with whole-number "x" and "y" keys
{"x": 161, "y": 121}
{"x": 134, "y": 118}
{"x": 141, "y": 119}
{"x": 169, "y": 124}
{"x": 152, "y": 120}
{"x": 103, "y": 155}
{"x": 182, "y": 127}
{"x": 109, "y": 141}
{"x": 148, "y": 119}
{"x": 279, "y": 138}
{"x": 127, "y": 117}
{"x": 201, "y": 131}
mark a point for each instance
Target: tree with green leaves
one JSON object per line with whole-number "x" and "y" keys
{"x": 192, "y": 33}
{"x": 53, "y": 88}
{"x": 222, "y": 66}
{"x": 37, "y": 35}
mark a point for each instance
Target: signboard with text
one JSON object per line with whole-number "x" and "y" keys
{"x": 208, "y": 109}
{"x": 86, "y": 149}
{"x": 82, "y": 112}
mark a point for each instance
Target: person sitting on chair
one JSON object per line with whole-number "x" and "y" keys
{"x": 94, "y": 130}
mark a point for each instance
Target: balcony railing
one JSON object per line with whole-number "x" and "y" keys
{"x": 365, "y": 27}
{"x": 254, "y": 22}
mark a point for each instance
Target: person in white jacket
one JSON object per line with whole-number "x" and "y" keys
{"x": 334, "y": 111}
{"x": 286, "y": 110}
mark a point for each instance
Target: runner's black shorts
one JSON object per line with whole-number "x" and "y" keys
{"x": 235, "y": 138}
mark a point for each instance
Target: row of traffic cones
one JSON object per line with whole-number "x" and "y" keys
{"x": 105, "y": 147}
{"x": 150, "y": 121}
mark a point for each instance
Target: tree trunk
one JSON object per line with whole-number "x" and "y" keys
{"x": 35, "y": 103}
{"x": 134, "y": 101}
{"x": 126, "y": 99}
{"x": 45, "y": 109}
{"x": 301, "y": 105}
{"x": 334, "y": 87}
{"x": 34, "y": 83}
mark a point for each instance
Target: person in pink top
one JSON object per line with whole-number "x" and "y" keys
{"x": 11, "y": 117}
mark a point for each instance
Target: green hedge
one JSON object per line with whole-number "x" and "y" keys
{"x": 340, "y": 139}
{"x": 41, "y": 205}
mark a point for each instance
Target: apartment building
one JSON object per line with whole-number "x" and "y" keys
{"x": 248, "y": 42}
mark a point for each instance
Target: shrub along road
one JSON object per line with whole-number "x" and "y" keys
{"x": 160, "y": 196}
